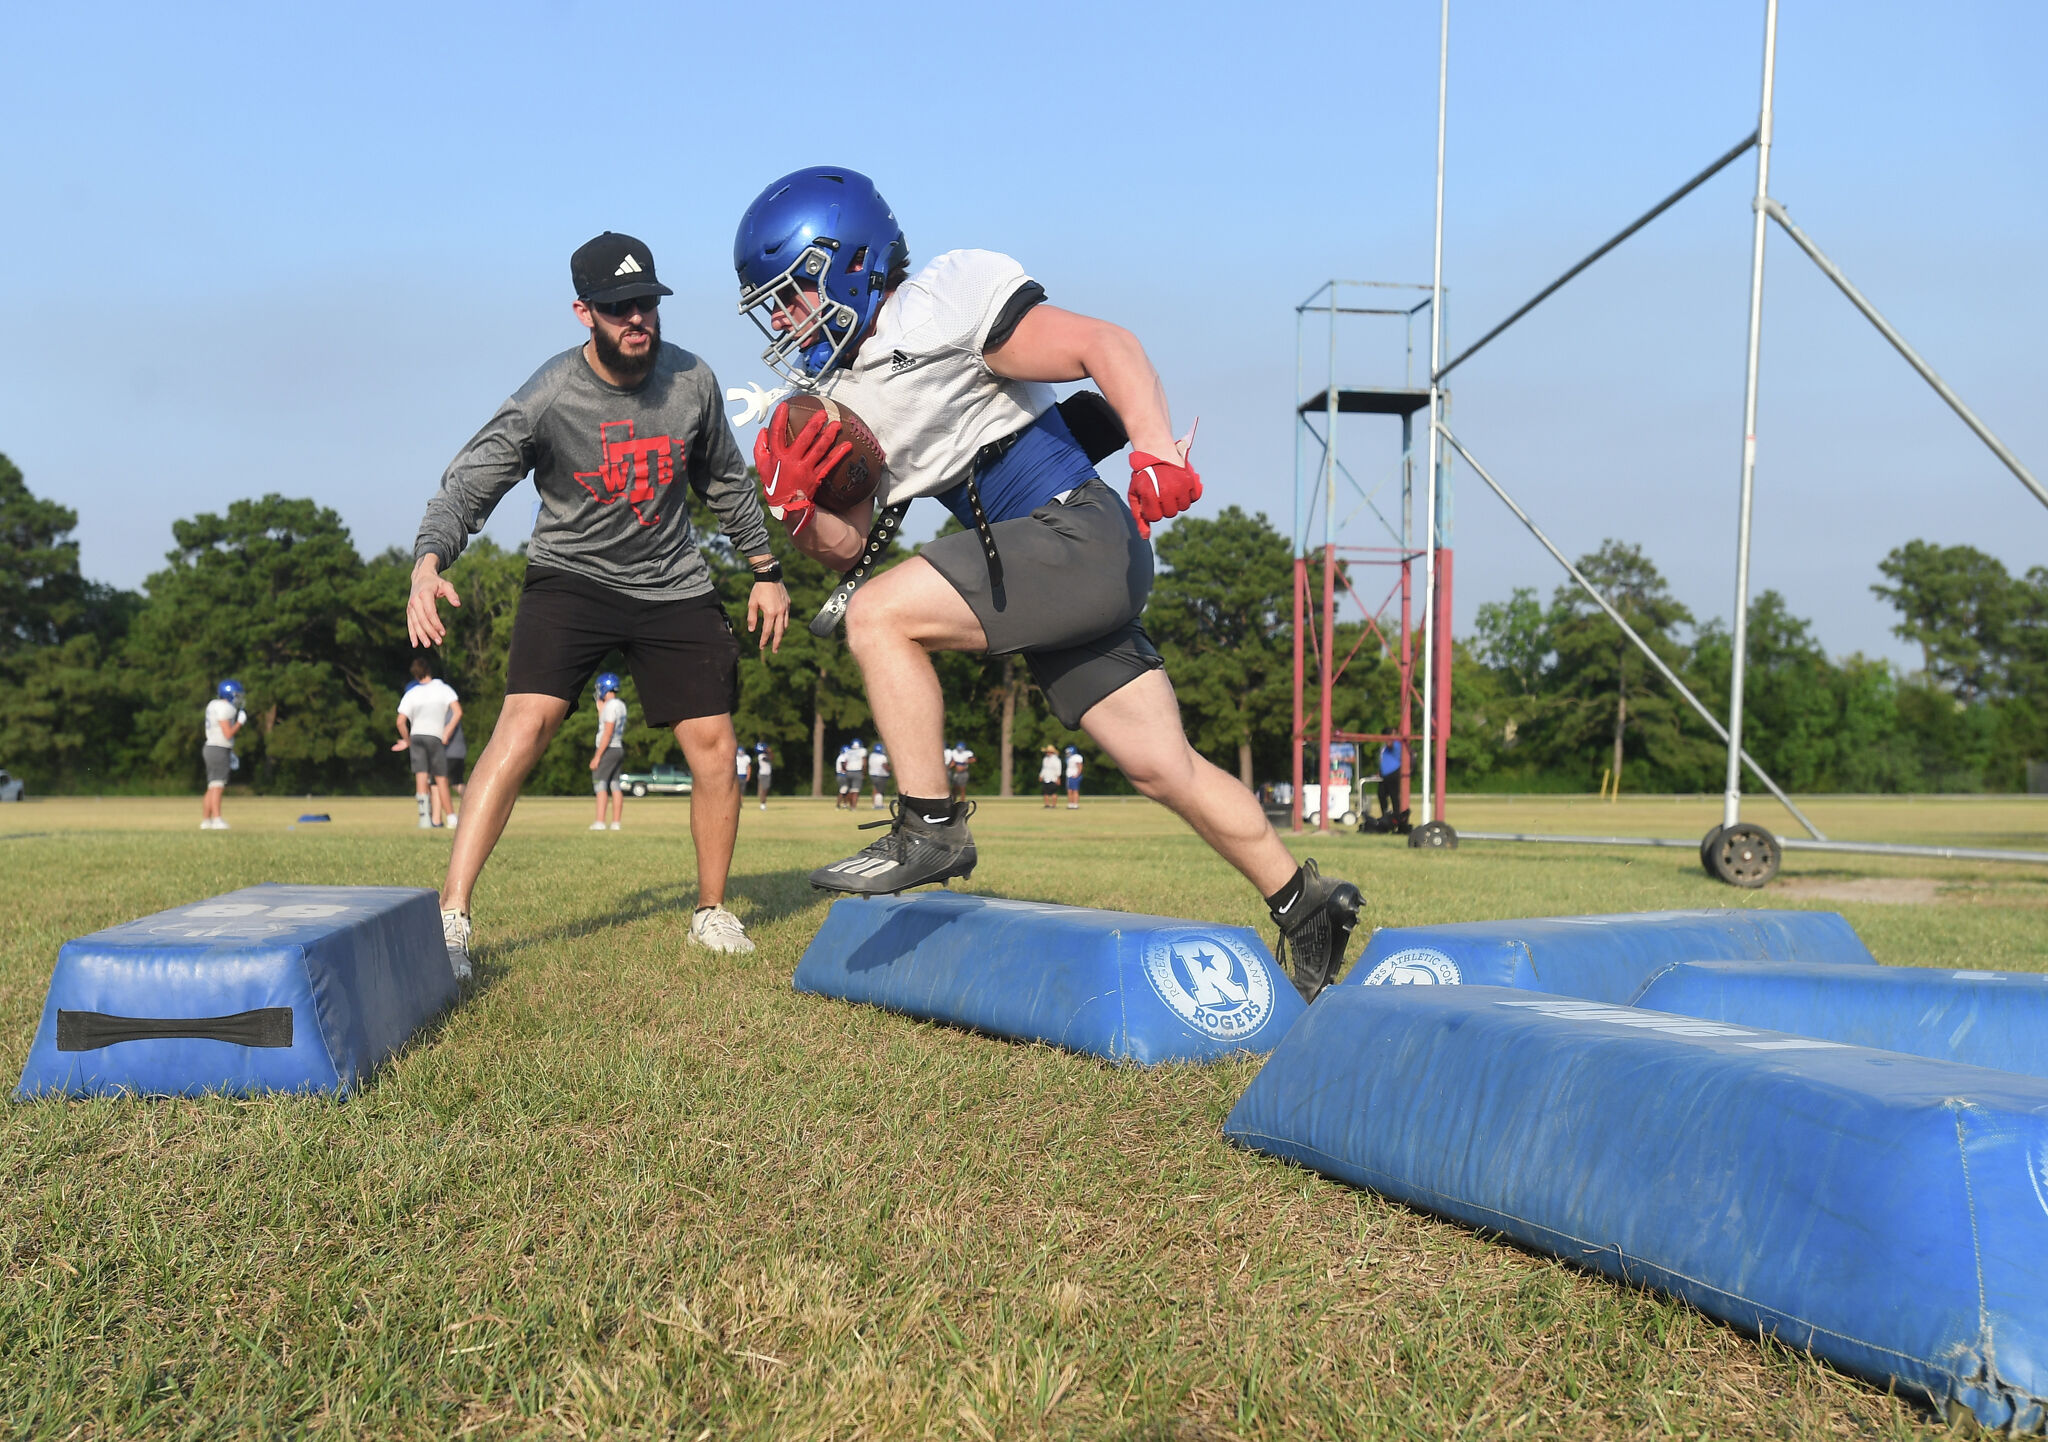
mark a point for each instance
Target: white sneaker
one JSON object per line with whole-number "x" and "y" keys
{"x": 450, "y": 823}
{"x": 597, "y": 826}
{"x": 456, "y": 932}
{"x": 220, "y": 823}
{"x": 719, "y": 930}
{"x": 615, "y": 826}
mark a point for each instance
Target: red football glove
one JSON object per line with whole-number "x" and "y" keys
{"x": 791, "y": 471}
{"x": 1161, "y": 489}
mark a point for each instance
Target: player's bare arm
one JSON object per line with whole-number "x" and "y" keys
{"x": 1050, "y": 344}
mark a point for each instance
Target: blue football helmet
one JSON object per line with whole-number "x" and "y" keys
{"x": 229, "y": 690}
{"x": 607, "y": 683}
{"x": 1073, "y": 751}
{"x": 824, "y": 228}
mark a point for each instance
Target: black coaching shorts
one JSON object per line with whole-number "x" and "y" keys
{"x": 682, "y": 654}
{"x": 1076, "y": 576}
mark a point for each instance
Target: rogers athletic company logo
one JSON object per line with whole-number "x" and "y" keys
{"x": 636, "y": 468}
{"x": 1417, "y": 966}
{"x": 1215, "y": 984}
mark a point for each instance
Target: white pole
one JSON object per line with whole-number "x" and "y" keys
{"x": 1436, "y": 360}
{"x": 1731, "y": 801}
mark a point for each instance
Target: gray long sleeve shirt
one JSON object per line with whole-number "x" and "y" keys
{"x": 606, "y": 462}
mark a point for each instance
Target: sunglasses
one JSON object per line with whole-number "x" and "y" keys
{"x": 620, "y": 309}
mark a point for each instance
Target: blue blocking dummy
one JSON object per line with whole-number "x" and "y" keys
{"x": 1143, "y": 989}
{"x": 272, "y": 988}
{"x": 1600, "y": 958}
{"x": 1992, "y": 1019}
{"x": 1887, "y": 1212}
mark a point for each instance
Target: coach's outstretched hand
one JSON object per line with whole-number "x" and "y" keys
{"x": 768, "y": 603}
{"x": 1162, "y": 488}
{"x": 792, "y": 470}
{"x": 422, "y": 614}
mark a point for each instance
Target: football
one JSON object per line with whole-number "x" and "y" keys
{"x": 854, "y": 479}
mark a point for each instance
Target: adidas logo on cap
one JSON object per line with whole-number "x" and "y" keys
{"x": 628, "y": 266}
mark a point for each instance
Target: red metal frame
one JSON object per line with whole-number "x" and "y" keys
{"x": 1321, "y": 639}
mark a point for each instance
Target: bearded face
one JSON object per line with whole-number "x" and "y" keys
{"x": 628, "y": 347}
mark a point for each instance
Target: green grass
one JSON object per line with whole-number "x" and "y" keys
{"x": 632, "y": 1190}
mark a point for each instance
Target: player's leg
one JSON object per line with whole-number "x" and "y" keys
{"x": 1139, "y": 726}
{"x": 526, "y": 725}
{"x": 893, "y": 624}
{"x": 422, "y": 785}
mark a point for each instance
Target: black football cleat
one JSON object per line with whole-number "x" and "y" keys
{"x": 917, "y": 852}
{"x": 1316, "y": 930}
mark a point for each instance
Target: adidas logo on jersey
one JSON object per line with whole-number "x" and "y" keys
{"x": 899, "y": 362}
{"x": 628, "y": 266}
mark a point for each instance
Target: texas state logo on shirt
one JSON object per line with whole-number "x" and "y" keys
{"x": 634, "y": 467}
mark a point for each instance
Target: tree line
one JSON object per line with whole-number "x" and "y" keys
{"x": 101, "y": 689}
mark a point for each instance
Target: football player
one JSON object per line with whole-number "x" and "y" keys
{"x": 952, "y": 366}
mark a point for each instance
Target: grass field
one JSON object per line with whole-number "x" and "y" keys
{"x": 630, "y": 1190}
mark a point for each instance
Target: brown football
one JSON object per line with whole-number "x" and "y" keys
{"x": 854, "y": 479}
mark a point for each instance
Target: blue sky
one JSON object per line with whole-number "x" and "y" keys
{"x": 273, "y": 248}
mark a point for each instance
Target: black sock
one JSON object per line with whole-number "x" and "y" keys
{"x": 1286, "y": 896}
{"x": 933, "y": 811}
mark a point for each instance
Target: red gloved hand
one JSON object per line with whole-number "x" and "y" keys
{"x": 792, "y": 470}
{"x": 1162, "y": 488}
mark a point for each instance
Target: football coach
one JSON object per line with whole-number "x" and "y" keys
{"x": 607, "y": 430}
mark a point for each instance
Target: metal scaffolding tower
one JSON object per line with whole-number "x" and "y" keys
{"x": 1318, "y": 470}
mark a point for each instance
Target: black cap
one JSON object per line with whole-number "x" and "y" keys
{"x": 614, "y": 267}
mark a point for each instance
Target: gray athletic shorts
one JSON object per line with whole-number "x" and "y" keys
{"x": 429, "y": 754}
{"x": 606, "y": 777}
{"x": 1076, "y": 576}
{"x": 218, "y": 764}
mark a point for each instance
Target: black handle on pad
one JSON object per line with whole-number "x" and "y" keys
{"x": 91, "y": 1030}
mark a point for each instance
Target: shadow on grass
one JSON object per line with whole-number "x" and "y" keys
{"x": 770, "y": 896}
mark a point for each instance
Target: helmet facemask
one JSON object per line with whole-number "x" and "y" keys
{"x": 809, "y": 347}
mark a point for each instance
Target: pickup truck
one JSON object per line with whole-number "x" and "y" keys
{"x": 662, "y": 780}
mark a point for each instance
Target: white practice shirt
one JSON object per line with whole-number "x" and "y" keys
{"x": 878, "y": 763}
{"x": 426, "y": 708}
{"x": 614, "y": 711}
{"x": 920, "y": 381}
{"x": 1048, "y": 770}
{"x": 218, "y": 714}
{"x": 1074, "y": 767}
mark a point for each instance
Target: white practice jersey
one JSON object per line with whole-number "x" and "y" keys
{"x": 1048, "y": 770}
{"x": 745, "y": 765}
{"x": 857, "y": 760}
{"x": 920, "y": 381}
{"x": 614, "y": 711}
{"x": 426, "y": 708}
{"x": 762, "y": 764}
{"x": 878, "y": 763}
{"x": 964, "y": 756}
{"x": 218, "y": 715}
{"x": 1074, "y": 767}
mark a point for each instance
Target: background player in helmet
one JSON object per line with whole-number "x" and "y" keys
{"x": 951, "y": 367}
{"x": 609, "y": 758}
{"x": 764, "y": 771}
{"x": 224, "y": 717}
{"x": 1074, "y": 778}
{"x": 959, "y": 767}
{"x": 856, "y": 772}
{"x": 613, "y": 431}
{"x": 878, "y": 775}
